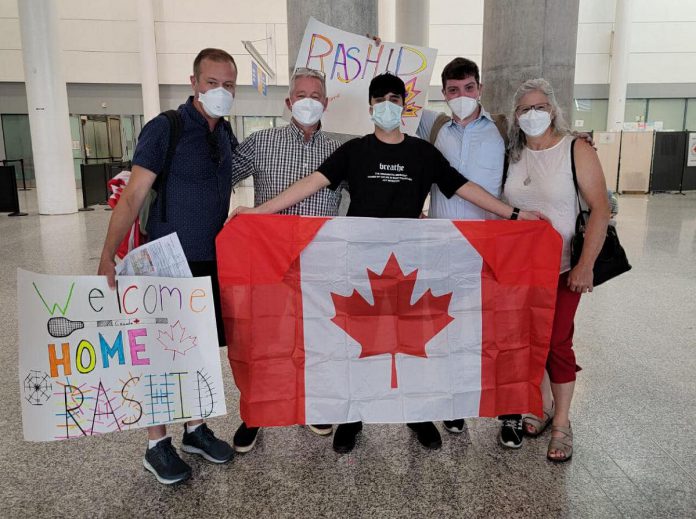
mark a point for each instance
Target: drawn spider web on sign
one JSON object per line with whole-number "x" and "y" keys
{"x": 37, "y": 387}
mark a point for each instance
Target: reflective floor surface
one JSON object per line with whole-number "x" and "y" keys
{"x": 634, "y": 414}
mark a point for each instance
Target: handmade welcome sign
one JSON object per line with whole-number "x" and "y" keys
{"x": 94, "y": 360}
{"x": 350, "y": 61}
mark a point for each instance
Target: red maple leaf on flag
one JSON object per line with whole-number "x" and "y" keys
{"x": 392, "y": 324}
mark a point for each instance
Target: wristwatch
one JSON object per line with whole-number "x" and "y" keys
{"x": 515, "y": 213}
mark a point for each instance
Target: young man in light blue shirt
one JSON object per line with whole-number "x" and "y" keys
{"x": 474, "y": 144}
{"x": 471, "y": 140}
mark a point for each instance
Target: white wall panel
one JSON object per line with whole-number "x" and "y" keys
{"x": 8, "y": 9}
{"x": 662, "y": 68}
{"x": 97, "y": 9}
{"x": 178, "y": 37}
{"x": 663, "y": 37}
{"x": 99, "y": 36}
{"x": 594, "y": 38}
{"x": 281, "y": 38}
{"x": 100, "y": 67}
{"x": 455, "y": 12}
{"x": 458, "y": 40}
{"x": 665, "y": 10}
{"x": 12, "y": 68}
{"x": 223, "y": 11}
{"x": 596, "y": 11}
{"x": 9, "y": 34}
{"x": 591, "y": 69}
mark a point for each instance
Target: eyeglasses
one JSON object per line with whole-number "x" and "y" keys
{"x": 309, "y": 72}
{"x": 541, "y": 107}
{"x": 214, "y": 148}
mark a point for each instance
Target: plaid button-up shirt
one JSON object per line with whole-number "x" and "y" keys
{"x": 279, "y": 157}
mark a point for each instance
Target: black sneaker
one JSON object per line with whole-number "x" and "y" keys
{"x": 245, "y": 438}
{"x": 321, "y": 429}
{"x": 511, "y": 432}
{"x": 344, "y": 437}
{"x": 455, "y": 426}
{"x": 203, "y": 442}
{"x": 163, "y": 461}
{"x": 427, "y": 434}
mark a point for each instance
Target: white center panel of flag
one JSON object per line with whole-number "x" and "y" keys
{"x": 428, "y": 387}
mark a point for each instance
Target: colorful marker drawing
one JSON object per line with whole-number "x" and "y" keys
{"x": 109, "y": 360}
{"x": 350, "y": 61}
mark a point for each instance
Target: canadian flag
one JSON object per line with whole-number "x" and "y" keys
{"x": 334, "y": 320}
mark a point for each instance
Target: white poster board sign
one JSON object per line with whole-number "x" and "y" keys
{"x": 350, "y": 61}
{"x": 94, "y": 360}
{"x": 691, "y": 161}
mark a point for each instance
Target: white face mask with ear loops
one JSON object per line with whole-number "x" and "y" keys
{"x": 307, "y": 111}
{"x": 534, "y": 123}
{"x": 463, "y": 106}
{"x": 216, "y": 102}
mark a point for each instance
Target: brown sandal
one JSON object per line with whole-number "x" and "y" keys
{"x": 563, "y": 444}
{"x": 535, "y": 422}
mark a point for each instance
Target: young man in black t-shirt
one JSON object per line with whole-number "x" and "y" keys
{"x": 389, "y": 175}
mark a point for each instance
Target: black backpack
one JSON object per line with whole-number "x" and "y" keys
{"x": 159, "y": 186}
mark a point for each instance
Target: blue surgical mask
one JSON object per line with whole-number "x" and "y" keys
{"x": 387, "y": 115}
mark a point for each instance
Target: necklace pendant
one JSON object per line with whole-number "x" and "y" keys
{"x": 527, "y": 181}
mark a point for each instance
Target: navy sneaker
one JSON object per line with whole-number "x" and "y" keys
{"x": 344, "y": 437}
{"x": 511, "y": 432}
{"x": 427, "y": 434}
{"x": 164, "y": 462}
{"x": 245, "y": 438}
{"x": 203, "y": 442}
{"x": 455, "y": 426}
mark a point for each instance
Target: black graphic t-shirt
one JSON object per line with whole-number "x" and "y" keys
{"x": 390, "y": 180}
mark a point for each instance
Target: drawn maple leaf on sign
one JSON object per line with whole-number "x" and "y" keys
{"x": 176, "y": 339}
{"x": 392, "y": 324}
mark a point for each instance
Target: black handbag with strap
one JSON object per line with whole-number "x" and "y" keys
{"x": 611, "y": 260}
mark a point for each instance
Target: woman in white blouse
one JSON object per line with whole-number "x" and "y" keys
{"x": 540, "y": 178}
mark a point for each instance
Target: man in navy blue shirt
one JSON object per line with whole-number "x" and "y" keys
{"x": 198, "y": 187}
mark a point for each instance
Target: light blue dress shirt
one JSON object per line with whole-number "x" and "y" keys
{"x": 477, "y": 151}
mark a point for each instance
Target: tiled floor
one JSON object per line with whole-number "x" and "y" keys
{"x": 634, "y": 414}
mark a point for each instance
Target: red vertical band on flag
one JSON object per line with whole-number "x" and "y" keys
{"x": 521, "y": 263}
{"x": 260, "y": 289}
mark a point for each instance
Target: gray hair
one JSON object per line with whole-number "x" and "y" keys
{"x": 307, "y": 72}
{"x": 516, "y": 136}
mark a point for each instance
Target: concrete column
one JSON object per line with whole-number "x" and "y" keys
{"x": 356, "y": 16}
{"x": 413, "y": 22}
{"x": 526, "y": 39}
{"x": 149, "y": 80}
{"x": 620, "y": 49}
{"x": 47, "y": 101}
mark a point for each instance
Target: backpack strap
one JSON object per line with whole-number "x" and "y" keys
{"x": 175, "y": 128}
{"x": 440, "y": 121}
{"x": 501, "y": 123}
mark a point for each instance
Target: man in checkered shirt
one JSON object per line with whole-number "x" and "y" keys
{"x": 278, "y": 157}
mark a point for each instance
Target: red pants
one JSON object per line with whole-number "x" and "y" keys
{"x": 561, "y": 360}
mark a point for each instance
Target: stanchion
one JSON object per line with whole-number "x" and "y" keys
{"x": 11, "y": 202}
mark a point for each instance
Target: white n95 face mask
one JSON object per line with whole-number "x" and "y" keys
{"x": 307, "y": 111}
{"x": 387, "y": 115}
{"x": 534, "y": 123}
{"x": 216, "y": 102}
{"x": 463, "y": 106}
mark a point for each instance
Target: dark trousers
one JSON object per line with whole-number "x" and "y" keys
{"x": 201, "y": 269}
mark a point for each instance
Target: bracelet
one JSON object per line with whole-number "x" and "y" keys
{"x": 515, "y": 213}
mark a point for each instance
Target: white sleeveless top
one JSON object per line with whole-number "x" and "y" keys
{"x": 543, "y": 181}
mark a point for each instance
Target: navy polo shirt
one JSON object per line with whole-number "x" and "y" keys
{"x": 199, "y": 183}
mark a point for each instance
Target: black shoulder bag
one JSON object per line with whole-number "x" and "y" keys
{"x": 612, "y": 259}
